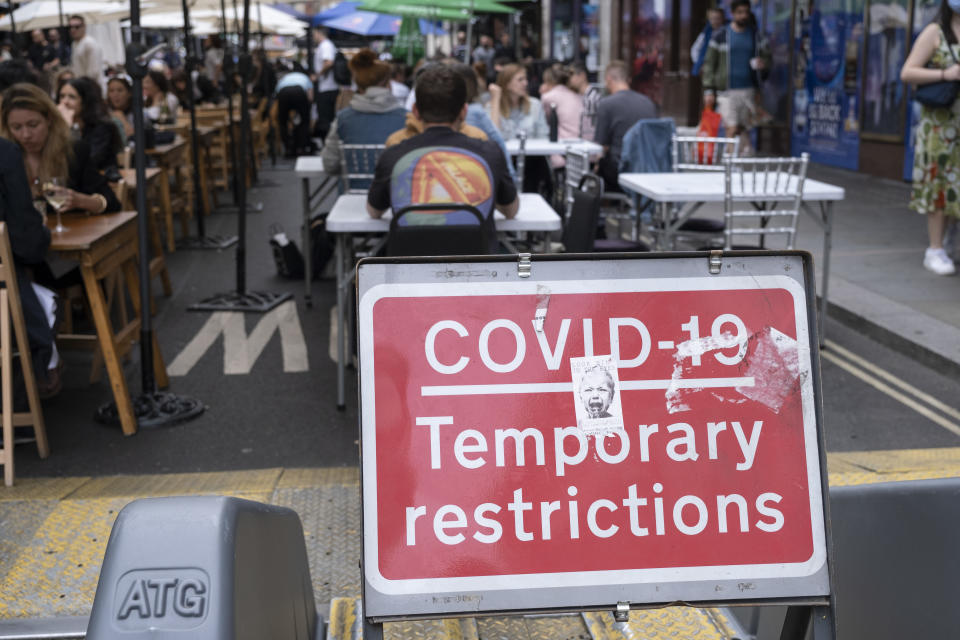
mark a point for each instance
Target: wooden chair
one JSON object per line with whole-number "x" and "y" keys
{"x": 10, "y": 309}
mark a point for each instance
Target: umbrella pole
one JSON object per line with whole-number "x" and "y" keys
{"x": 152, "y": 408}
{"x": 241, "y": 299}
{"x": 469, "y": 50}
{"x": 60, "y": 11}
{"x": 202, "y": 241}
{"x": 13, "y": 21}
{"x": 228, "y": 84}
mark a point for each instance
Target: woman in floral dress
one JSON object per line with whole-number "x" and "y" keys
{"x": 936, "y": 164}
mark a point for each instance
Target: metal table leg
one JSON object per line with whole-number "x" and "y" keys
{"x": 341, "y": 257}
{"x": 308, "y": 268}
{"x": 826, "y": 210}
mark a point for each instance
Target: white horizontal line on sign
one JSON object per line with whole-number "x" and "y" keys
{"x": 555, "y": 387}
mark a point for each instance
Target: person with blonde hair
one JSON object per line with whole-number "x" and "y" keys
{"x": 512, "y": 109}
{"x": 30, "y": 118}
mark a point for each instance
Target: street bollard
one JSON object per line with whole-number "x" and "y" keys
{"x": 204, "y": 567}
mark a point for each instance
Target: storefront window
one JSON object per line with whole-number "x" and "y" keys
{"x": 647, "y": 40}
{"x": 886, "y": 49}
{"x": 774, "y": 19}
{"x": 590, "y": 34}
{"x": 563, "y": 36}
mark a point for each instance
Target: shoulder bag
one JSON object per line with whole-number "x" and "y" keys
{"x": 939, "y": 95}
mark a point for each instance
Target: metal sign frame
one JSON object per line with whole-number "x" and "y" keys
{"x": 793, "y": 270}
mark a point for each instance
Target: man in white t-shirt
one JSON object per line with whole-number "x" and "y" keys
{"x": 87, "y": 57}
{"x": 327, "y": 88}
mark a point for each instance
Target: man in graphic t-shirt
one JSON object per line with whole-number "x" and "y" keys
{"x": 441, "y": 164}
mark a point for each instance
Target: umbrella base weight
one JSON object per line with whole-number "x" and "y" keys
{"x": 207, "y": 243}
{"x": 251, "y": 301}
{"x": 154, "y": 410}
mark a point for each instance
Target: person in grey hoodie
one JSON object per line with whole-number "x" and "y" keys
{"x": 373, "y": 114}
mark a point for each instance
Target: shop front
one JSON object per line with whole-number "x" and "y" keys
{"x": 834, "y": 86}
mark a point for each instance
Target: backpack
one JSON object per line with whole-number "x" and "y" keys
{"x": 341, "y": 71}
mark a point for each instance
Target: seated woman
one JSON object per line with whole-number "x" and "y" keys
{"x": 160, "y": 104}
{"x": 120, "y": 104}
{"x": 513, "y": 111}
{"x": 554, "y": 92}
{"x": 82, "y": 107}
{"x": 374, "y": 113}
{"x": 29, "y": 118}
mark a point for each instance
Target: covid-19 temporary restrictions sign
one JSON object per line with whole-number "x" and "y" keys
{"x": 602, "y": 431}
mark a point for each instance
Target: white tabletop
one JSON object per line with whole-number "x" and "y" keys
{"x": 309, "y": 166}
{"x": 706, "y": 186}
{"x": 349, "y": 215}
{"x": 543, "y": 146}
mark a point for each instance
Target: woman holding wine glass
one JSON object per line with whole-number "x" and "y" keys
{"x": 31, "y": 119}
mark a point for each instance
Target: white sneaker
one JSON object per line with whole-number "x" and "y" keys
{"x": 936, "y": 260}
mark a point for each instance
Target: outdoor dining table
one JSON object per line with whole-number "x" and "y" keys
{"x": 172, "y": 158}
{"x": 105, "y": 245}
{"x": 349, "y": 218}
{"x": 695, "y": 188}
{"x": 544, "y": 147}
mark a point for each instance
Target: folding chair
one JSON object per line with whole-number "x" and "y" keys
{"x": 773, "y": 187}
{"x": 423, "y": 238}
{"x": 697, "y": 153}
{"x": 701, "y": 153}
{"x": 10, "y": 309}
{"x": 576, "y": 164}
{"x": 580, "y": 226}
{"x": 358, "y": 163}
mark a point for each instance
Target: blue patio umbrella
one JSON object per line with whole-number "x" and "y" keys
{"x": 365, "y": 23}
{"x": 336, "y": 11}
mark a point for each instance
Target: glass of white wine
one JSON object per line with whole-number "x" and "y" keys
{"x": 55, "y": 191}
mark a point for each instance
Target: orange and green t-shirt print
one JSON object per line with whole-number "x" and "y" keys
{"x": 441, "y": 174}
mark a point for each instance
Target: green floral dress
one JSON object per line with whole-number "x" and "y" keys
{"x": 936, "y": 160}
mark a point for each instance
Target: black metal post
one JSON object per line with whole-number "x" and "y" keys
{"x": 152, "y": 408}
{"x": 228, "y": 85}
{"x": 13, "y": 21}
{"x": 241, "y": 299}
{"x": 137, "y": 71}
{"x": 202, "y": 241}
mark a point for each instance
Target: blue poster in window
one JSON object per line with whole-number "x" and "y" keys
{"x": 826, "y": 82}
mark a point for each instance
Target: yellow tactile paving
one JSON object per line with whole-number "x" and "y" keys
{"x": 306, "y": 478}
{"x": 53, "y": 530}
{"x": 41, "y": 488}
{"x": 177, "y": 484}
{"x": 653, "y": 624}
{"x": 862, "y": 467}
{"x": 56, "y": 575}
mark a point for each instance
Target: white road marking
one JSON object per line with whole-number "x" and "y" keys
{"x": 893, "y": 393}
{"x": 241, "y": 351}
{"x": 889, "y": 377}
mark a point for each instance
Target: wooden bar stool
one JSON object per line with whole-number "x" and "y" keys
{"x": 10, "y": 309}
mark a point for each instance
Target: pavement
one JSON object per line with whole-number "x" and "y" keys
{"x": 272, "y": 433}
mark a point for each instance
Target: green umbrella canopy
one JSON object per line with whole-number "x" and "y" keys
{"x": 432, "y": 6}
{"x": 417, "y": 11}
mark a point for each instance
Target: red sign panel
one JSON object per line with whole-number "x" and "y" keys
{"x": 502, "y": 449}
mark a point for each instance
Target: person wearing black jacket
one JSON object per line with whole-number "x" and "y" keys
{"x": 82, "y": 105}
{"x": 29, "y": 239}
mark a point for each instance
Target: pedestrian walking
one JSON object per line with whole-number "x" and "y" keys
{"x": 736, "y": 61}
{"x": 327, "y": 87}
{"x": 936, "y": 163}
{"x": 698, "y": 52}
{"x": 87, "y": 57}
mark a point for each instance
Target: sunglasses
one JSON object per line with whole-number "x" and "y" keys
{"x": 76, "y": 26}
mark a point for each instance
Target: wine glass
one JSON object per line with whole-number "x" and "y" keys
{"x": 55, "y": 191}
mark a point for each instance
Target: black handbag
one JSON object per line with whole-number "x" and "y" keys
{"x": 939, "y": 95}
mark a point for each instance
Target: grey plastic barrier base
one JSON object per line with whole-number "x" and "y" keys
{"x": 204, "y": 567}
{"x": 897, "y": 563}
